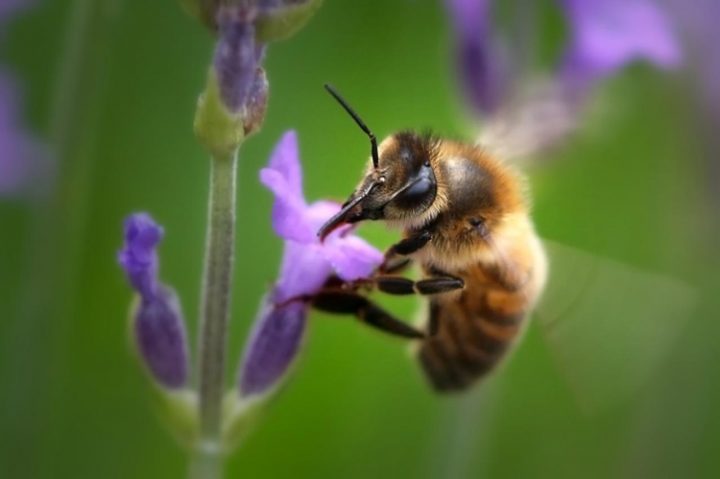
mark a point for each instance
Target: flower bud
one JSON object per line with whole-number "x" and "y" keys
{"x": 272, "y": 347}
{"x": 236, "y": 57}
{"x": 160, "y": 337}
{"x": 138, "y": 258}
{"x": 158, "y": 325}
{"x": 256, "y": 104}
{"x": 482, "y": 61}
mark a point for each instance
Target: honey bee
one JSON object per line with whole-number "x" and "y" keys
{"x": 465, "y": 219}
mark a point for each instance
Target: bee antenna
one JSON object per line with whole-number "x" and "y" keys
{"x": 360, "y": 123}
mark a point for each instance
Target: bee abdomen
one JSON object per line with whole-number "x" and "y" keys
{"x": 468, "y": 343}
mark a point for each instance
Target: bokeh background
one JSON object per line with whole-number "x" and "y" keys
{"x": 109, "y": 86}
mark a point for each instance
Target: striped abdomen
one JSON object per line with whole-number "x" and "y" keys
{"x": 473, "y": 332}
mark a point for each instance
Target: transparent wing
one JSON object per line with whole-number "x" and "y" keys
{"x": 538, "y": 119}
{"x": 609, "y": 326}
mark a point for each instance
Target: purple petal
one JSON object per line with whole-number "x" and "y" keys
{"x": 273, "y": 345}
{"x": 469, "y": 17}
{"x": 10, "y": 7}
{"x": 304, "y": 270}
{"x": 697, "y": 22}
{"x": 285, "y": 159}
{"x": 288, "y": 214}
{"x": 284, "y": 178}
{"x": 607, "y": 34}
{"x": 482, "y": 62}
{"x": 352, "y": 257}
{"x": 161, "y": 338}
{"x": 22, "y": 161}
{"x": 235, "y": 60}
{"x": 139, "y": 257}
{"x": 319, "y": 212}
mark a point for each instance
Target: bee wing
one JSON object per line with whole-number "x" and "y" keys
{"x": 538, "y": 119}
{"x": 609, "y": 326}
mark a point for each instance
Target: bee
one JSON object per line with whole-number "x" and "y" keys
{"x": 465, "y": 220}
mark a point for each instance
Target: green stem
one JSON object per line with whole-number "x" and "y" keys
{"x": 217, "y": 284}
{"x": 206, "y": 463}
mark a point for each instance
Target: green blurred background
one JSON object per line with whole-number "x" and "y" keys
{"x": 112, "y": 84}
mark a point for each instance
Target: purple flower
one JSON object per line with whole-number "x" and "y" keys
{"x": 608, "y": 34}
{"x": 139, "y": 258}
{"x": 18, "y": 150}
{"x": 158, "y": 321}
{"x": 697, "y": 24}
{"x": 306, "y": 266}
{"x": 9, "y": 7}
{"x": 481, "y": 60}
{"x": 237, "y": 57}
{"x": 161, "y": 340}
{"x": 21, "y": 158}
{"x": 605, "y": 36}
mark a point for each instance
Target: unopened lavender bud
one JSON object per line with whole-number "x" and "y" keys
{"x": 139, "y": 257}
{"x": 482, "y": 62}
{"x": 159, "y": 328}
{"x": 256, "y": 104}
{"x": 272, "y": 347}
{"x": 161, "y": 339}
{"x": 236, "y": 58}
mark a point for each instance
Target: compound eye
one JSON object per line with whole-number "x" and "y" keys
{"x": 417, "y": 193}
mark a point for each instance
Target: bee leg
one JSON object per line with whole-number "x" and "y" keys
{"x": 343, "y": 302}
{"x": 405, "y": 247}
{"x": 411, "y": 244}
{"x": 439, "y": 284}
{"x": 401, "y": 286}
{"x": 394, "y": 265}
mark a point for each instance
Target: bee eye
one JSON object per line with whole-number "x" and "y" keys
{"x": 417, "y": 193}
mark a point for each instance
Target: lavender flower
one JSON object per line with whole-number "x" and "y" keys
{"x": 158, "y": 323}
{"x": 237, "y": 57}
{"x": 481, "y": 58}
{"x": 9, "y": 7}
{"x": 18, "y": 151}
{"x": 608, "y": 34}
{"x": 605, "y": 36}
{"x": 696, "y": 22}
{"x": 306, "y": 265}
{"x": 20, "y": 156}
{"x": 244, "y": 29}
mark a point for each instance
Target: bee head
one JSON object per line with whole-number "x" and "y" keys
{"x": 399, "y": 181}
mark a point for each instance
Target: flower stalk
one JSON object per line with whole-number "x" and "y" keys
{"x": 206, "y": 462}
{"x": 216, "y": 287}
{"x": 231, "y": 108}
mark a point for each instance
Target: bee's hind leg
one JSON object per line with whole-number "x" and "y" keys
{"x": 348, "y": 302}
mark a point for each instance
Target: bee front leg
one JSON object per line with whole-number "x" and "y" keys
{"x": 404, "y": 247}
{"x": 347, "y": 302}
